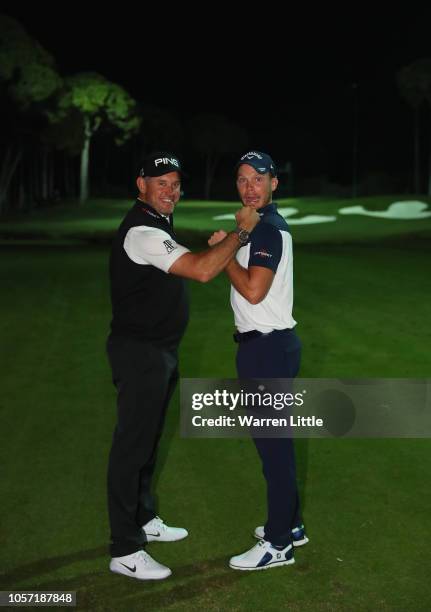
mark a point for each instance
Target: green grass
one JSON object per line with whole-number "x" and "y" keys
{"x": 363, "y": 310}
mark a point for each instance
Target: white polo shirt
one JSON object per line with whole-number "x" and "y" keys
{"x": 270, "y": 246}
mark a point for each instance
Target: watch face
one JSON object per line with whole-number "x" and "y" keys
{"x": 243, "y": 236}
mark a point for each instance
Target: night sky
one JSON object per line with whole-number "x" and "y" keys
{"x": 287, "y": 78}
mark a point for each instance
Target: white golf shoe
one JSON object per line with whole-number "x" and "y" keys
{"x": 139, "y": 565}
{"x": 156, "y": 530}
{"x": 262, "y": 556}
{"x": 298, "y": 535}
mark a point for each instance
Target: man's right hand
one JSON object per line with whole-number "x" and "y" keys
{"x": 247, "y": 218}
{"x": 217, "y": 237}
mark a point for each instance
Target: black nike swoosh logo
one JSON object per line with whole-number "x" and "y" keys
{"x": 156, "y": 535}
{"x": 131, "y": 569}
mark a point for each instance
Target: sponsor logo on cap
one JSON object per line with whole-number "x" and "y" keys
{"x": 251, "y": 154}
{"x": 167, "y": 160}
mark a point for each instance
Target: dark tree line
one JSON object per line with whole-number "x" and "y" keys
{"x": 57, "y": 130}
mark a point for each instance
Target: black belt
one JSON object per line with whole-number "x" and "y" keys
{"x": 246, "y": 336}
{"x": 254, "y": 333}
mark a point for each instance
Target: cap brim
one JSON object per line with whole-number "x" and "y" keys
{"x": 165, "y": 170}
{"x": 256, "y": 167}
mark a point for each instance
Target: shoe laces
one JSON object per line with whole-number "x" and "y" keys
{"x": 141, "y": 555}
{"x": 265, "y": 543}
{"x": 160, "y": 524}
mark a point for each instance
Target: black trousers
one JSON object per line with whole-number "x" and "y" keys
{"x": 145, "y": 377}
{"x": 276, "y": 355}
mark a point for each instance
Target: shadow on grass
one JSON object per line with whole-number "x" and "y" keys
{"x": 42, "y": 566}
{"x": 104, "y": 590}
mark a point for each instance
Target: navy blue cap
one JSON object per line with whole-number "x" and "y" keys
{"x": 160, "y": 163}
{"x": 261, "y": 162}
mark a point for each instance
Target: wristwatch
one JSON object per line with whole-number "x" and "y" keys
{"x": 243, "y": 235}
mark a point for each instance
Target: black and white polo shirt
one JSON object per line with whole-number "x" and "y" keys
{"x": 147, "y": 302}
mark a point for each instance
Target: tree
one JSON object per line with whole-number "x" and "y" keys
{"x": 414, "y": 82}
{"x": 99, "y": 102}
{"x": 62, "y": 141}
{"x": 26, "y": 67}
{"x": 213, "y": 135}
{"x": 28, "y": 78}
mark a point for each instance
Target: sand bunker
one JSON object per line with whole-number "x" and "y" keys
{"x": 398, "y": 210}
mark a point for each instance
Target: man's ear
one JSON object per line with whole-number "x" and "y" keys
{"x": 142, "y": 185}
{"x": 274, "y": 183}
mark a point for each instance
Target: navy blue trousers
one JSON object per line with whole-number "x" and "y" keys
{"x": 275, "y": 355}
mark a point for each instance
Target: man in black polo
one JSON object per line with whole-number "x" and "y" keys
{"x": 150, "y": 313}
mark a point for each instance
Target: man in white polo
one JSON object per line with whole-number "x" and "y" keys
{"x": 268, "y": 347}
